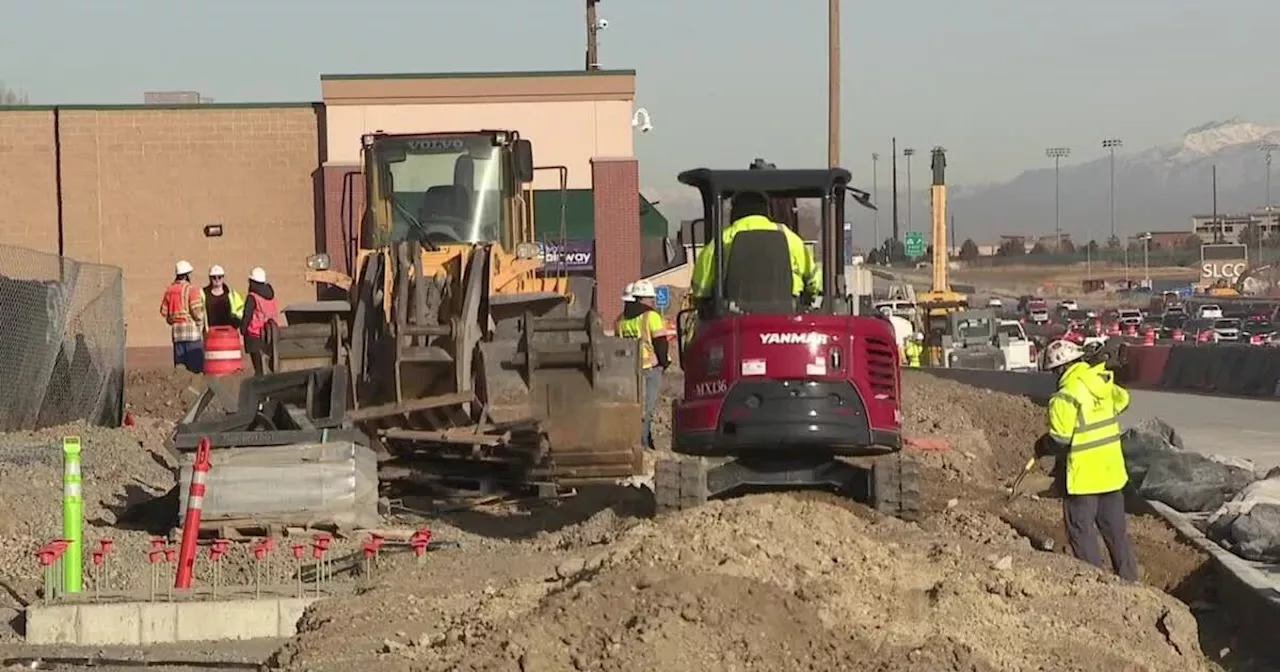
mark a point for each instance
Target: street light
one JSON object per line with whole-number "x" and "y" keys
{"x": 875, "y": 196}
{"x": 1111, "y": 145}
{"x": 909, "y": 152}
{"x": 1146, "y": 259}
{"x": 1267, "y": 148}
{"x": 1057, "y": 154}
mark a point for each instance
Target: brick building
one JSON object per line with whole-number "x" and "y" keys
{"x": 135, "y": 186}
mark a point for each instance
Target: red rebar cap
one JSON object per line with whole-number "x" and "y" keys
{"x": 370, "y": 549}
{"x": 259, "y": 551}
{"x": 298, "y": 550}
{"x": 170, "y": 554}
{"x": 419, "y": 546}
{"x": 105, "y": 544}
{"x": 46, "y": 556}
{"x": 323, "y": 540}
{"x": 318, "y": 550}
{"x": 98, "y": 557}
{"x": 423, "y": 534}
{"x": 155, "y": 557}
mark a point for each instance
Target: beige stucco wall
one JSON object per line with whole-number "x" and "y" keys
{"x": 567, "y": 133}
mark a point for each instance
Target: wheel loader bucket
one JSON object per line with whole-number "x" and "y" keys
{"x": 581, "y": 385}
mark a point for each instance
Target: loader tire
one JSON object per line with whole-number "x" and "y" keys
{"x": 895, "y": 486}
{"x": 679, "y": 483}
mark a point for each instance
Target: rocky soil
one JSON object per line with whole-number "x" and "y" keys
{"x": 796, "y": 581}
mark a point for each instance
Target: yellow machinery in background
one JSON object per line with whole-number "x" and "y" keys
{"x": 466, "y": 360}
{"x": 937, "y": 304}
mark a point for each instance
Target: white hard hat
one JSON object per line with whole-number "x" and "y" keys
{"x": 627, "y": 292}
{"x": 643, "y": 289}
{"x": 258, "y": 275}
{"x": 216, "y": 270}
{"x": 183, "y": 267}
{"x": 1059, "y": 353}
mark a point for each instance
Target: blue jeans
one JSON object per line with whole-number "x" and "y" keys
{"x": 189, "y": 355}
{"x": 652, "y": 384}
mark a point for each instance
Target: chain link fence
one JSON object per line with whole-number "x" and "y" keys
{"x": 62, "y": 341}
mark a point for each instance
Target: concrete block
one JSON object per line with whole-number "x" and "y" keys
{"x": 158, "y": 622}
{"x": 109, "y": 624}
{"x": 291, "y": 610}
{"x": 52, "y": 624}
{"x": 228, "y": 620}
{"x": 142, "y": 623}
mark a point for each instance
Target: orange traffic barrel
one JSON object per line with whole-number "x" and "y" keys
{"x": 222, "y": 354}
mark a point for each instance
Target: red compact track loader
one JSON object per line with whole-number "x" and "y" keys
{"x": 780, "y": 391}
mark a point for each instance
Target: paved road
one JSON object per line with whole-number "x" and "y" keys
{"x": 1248, "y": 428}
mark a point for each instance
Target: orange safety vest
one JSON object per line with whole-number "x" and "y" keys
{"x": 176, "y": 305}
{"x": 264, "y": 311}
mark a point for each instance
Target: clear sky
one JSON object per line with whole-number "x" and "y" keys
{"x": 994, "y": 81}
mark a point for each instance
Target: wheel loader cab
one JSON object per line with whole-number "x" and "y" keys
{"x": 766, "y": 370}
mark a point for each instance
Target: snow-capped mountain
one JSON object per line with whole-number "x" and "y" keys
{"x": 1157, "y": 189}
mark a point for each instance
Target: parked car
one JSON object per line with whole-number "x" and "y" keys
{"x": 1038, "y": 314}
{"x": 1227, "y": 329}
{"x": 1068, "y": 304}
{"x": 995, "y": 302}
{"x": 1258, "y": 325}
{"x": 1210, "y": 311}
{"x": 1176, "y": 309}
{"x": 1172, "y": 321}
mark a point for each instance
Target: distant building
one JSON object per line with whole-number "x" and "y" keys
{"x": 1230, "y": 228}
{"x": 1170, "y": 239}
{"x": 171, "y": 98}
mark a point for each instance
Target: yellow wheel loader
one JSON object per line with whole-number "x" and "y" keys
{"x": 468, "y": 362}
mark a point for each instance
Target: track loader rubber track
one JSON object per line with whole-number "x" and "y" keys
{"x": 680, "y": 483}
{"x": 895, "y": 485}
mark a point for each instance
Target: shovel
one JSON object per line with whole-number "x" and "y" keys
{"x": 1013, "y": 489}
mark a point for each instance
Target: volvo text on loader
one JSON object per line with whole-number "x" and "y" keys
{"x": 781, "y": 392}
{"x": 468, "y": 363}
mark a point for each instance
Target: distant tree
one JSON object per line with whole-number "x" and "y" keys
{"x": 1011, "y": 248}
{"x": 1067, "y": 247}
{"x": 1252, "y": 235}
{"x": 1092, "y": 247}
{"x": 891, "y": 251}
{"x": 1039, "y": 248}
{"x": 1192, "y": 242}
{"x": 10, "y": 96}
{"x": 1113, "y": 243}
{"x": 969, "y": 250}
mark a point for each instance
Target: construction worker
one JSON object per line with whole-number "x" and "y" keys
{"x": 750, "y": 212}
{"x": 259, "y": 308}
{"x": 1084, "y": 436}
{"x": 183, "y": 309}
{"x": 642, "y": 321}
{"x": 913, "y": 349}
{"x": 223, "y": 305}
{"x": 627, "y": 299}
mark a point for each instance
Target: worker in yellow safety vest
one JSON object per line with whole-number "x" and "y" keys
{"x": 750, "y": 212}
{"x": 642, "y": 321}
{"x": 1084, "y": 436}
{"x": 912, "y": 350}
{"x": 627, "y": 300}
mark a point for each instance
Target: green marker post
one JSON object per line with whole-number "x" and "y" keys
{"x": 72, "y": 516}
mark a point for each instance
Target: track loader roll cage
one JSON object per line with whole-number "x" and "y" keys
{"x": 830, "y": 185}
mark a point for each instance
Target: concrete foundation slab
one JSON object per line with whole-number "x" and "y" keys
{"x": 142, "y": 623}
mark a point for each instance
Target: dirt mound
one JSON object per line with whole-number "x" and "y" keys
{"x": 741, "y": 585}
{"x": 164, "y": 394}
{"x": 993, "y": 434}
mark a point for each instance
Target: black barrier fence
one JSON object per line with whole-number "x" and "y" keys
{"x": 1242, "y": 370}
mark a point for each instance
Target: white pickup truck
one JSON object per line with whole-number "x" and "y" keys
{"x": 1020, "y": 353}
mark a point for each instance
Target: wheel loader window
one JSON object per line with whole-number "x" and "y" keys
{"x": 444, "y": 189}
{"x": 974, "y": 328}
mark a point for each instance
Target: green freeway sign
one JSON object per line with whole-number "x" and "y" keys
{"x": 914, "y": 244}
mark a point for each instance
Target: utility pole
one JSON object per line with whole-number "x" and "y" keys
{"x": 896, "y": 231}
{"x": 593, "y": 28}
{"x": 1111, "y": 145}
{"x": 1057, "y": 154}
{"x": 875, "y": 197}
{"x": 1217, "y": 225}
{"x": 908, "y": 153}
{"x": 833, "y": 83}
{"x": 1267, "y": 148}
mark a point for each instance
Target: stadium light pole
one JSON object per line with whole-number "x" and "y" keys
{"x": 1057, "y": 154}
{"x": 908, "y": 153}
{"x": 1111, "y": 145}
{"x": 1267, "y": 148}
{"x": 833, "y": 83}
{"x": 875, "y": 198}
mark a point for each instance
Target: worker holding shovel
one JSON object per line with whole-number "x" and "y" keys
{"x": 1084, "y": 436}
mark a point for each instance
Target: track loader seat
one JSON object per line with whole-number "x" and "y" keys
{"x": 757, "y": 276}
{"x": 446, "y": 200}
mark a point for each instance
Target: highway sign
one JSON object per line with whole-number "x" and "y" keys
{"x": 662, "y": 296}
{"x": 1223, "y": 262}
{"x": 914, "y": 244}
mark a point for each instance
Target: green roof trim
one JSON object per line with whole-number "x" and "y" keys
{"x": 580, "y": 216}
{"x": 476, "y": 75}
{"x": 143, "y": 106}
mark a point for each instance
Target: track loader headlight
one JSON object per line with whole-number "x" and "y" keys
{"x": 318, "y": 262}
{"x": 527, "y": 251}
